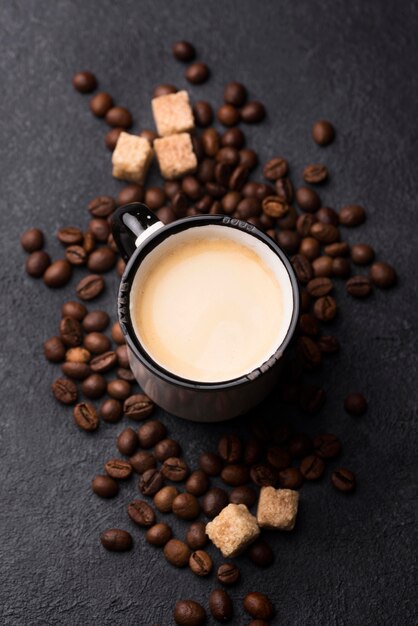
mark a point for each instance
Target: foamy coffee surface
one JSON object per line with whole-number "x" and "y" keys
{"x": 209, "y": 308}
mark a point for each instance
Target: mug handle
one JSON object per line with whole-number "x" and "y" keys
{"x": 131, "y": 224}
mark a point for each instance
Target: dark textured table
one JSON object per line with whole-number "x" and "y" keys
{"x": 350, "y": 561}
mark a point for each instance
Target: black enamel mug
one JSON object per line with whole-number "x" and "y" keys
{"x": 138, "y": 233}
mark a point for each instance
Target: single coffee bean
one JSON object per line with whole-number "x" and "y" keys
{"x": 352, "y": 215}
{"x": 261, "y": 553}
{"x": 311, "y": 399}
{"x": 70, "y": 235}
{"x": 243, "y": 495}
{"x": 355, "y": 404}
{"x": 138, "y": 407}
{"x": 111, "y": 410}
{"x": 155, "y": 197}
{"x": 94, "y": 386}
{"x": 151, "y": 433}
{"x": 323, "y": 266}
{"x": 309, "y": 325}
{"x": 118, "y": 468}
{"x": 95, "y": 321}
{"x": 119, "y": 117}
{"x": 238, "y": 178}
{"x": 248, "y": 207}
{"x": 327, "y": 446}
{"x": 258, "y": 605}
{"x": 309, "y": 353}
{"x": 84, "y": 82}
{"x": 85, "y": 416}
{"x": 167, "y": 448}
{"x": 235, "y": 474}
{"x": 214, "y": 501}
{"x": 300, "y": 445}
{"x": 125, "y": 374}
{"x": 117, "y": 334}
{"x": 235, "y": 93}
{"x": 76, "y": 255}
{"x": 274, "y": 206}
{"x": 54, "y": 349}
{"x": 163, "y": 90}
{"x": 200, "y": 563}
{"x": 74, "y": 309}
{"x": 323, "y": 132}
{"x": 197, "y": 73}
{"x": 233, "y": 137}
{"x": 116, "y": 540}
{"x": 289, "y": 240}
{"x": 210, "y": 463}
{"x": 104, "y": 486}
{"x": 315, "y": 173}
{"x": 304, "y": 224}
{"x": 150, "y": 482}
{"x": 253, "y": 112}
{"x": 177, "y": 553}
{"x": 343, "y": 480}
{"x": 337, "y": 249}
{"x": 142, "y": 461}
{"x": 101, "y": 103}
{"x": 230, "y": 448}
{"x": 64, "y": 390}
{"x": 263, "y": 475}
{"x": 249, "y": 159}
{"x": 189, "y": 613}
{"x": 291, "y": 478}
{"x": 159, "y": 534}
{"x": 307, "y": 199}
{"x": 111, "y": 137}
{"x": 127, "y": 441}
{"x": 253, "y": 451}
{"x": 79, "y": 371}
{"x": 183, "y": 51}
{"x": 203, "y": 113}
{"x": 141, "y": 513}
{"x": 70, "y": 331}
{"x": 210, "y": 141}
{"x": 175, "y": 469}
{"x": 228, "y": 115}
{"x": 328, "y": 344}
{"x": 382, "y": 275}
{"x": 118, "y": 389}
{"x": 90, "y": 287}
{"x": 89, "y": 242}
{"x": 77, "y": 355}
{"x": 196, "y": 536}
{"x": 325, "y": 308}
{"x": 302, "y": 267}
{"x": 197, "y": 483}
{"x": 101, "y": 260}
{"x": 310, "y": 248}
{"x": 32, "y": 240}
{"x": 220, "y": 605}
{"x": 325, "y": 233}
{"x": 358, "y": 286}
{"x": 37, "y": 263}
{"x": 100, "y": 229}
{"x": 164, "y": 498}
{"x": 278, "y": 457}
{"x": 134, "y": 192}
{"x": 97, "y": 343}
{"x": 228, "y": 574}
{"x": 186, "y": 506}
{"x": 312, "y": 467}
{"x": 326, "y": 215}
{"x": 122, "y": 354}
{"x": 341, "y": 267}
{"x": 362, "y": 254}
{"x": 58, "y": 274}
{"x": 321, "y": 286}
{"x": 275, "y": 168}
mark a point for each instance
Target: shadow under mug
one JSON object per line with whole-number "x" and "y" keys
{"x": 137, "y": 232}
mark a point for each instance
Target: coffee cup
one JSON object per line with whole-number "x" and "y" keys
{"x": 208, "y": 305}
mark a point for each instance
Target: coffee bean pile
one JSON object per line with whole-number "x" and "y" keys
{"x": 310, "y": 233}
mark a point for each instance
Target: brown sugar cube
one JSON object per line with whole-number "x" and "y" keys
{"x": 175, "y": 155}
{"x": 233, "y": 529}
{"x": 277, "y": 508}
{"x": 172, "y": 113}
{"x": 131, "y": 158}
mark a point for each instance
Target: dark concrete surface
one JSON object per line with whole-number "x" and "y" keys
{"x": 350, "y": 561}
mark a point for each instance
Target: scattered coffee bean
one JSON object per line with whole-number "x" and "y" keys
{"x": 312, "y": 467}
{"x": 76, "y": 255}
{"x": 104, "y": 486}
{"x": 341, "y": 267}
{"x": 141, "y": 513}
{"x": 175, "y": 469}
{"x": 303, "y": 268}
{"x": 352, "y": 215}
{"x": 118, "y": 468}
{"x": 57, "y": 274}
{"x": 312, "y": 398}
{"x": 112, "y": 136}
{"x": 197, "y": 73}
{"x": 196, "y": 536}
{"x": 186, "y": 506}
{"x": 116, "y": 540}
{"x": 309, "y": 353}
{"x": 94, "y": 386}
{"x": 263, "y": 475}
{"x": 101, "y": 260}
{"x": 291, "y": 478}
{"x": 95, "y": 321}
{"x": 100, "y": 228}
{"x": 315, "y": 173}
{"x": 54, "y": 349}
{"x": 300, "y": 445}
{"x": 77, "y": 355}
{"x": 228, "y": 574}
{"x": 78, "y": 371}
{"x": 74, "y": 309}
{"x": 167, "y": 448}
{"x": 127, "y": 441}
{"x": 358, "y": 286}
{"x": 362, "y": 254}
{"x": 64, "y": 390}
{"x": 117, "y": 334}
{"x": 197, "y": 483}
{"x": 90, "y": 286}
{"x": 258, "y": 605}
{"x": 235, "y": 474}
{"x": 183, "y": 51}
{"x": 32, "y": 240}
{"x": 159, "y": 534}
{"x": 343, "y": 480}
{"x": 307, "y": 199}
{"x": 177, "y": 553}
{"x": 203, "y": 113}
{"x": 151, "y": 433}
{"x": 382, "y": 275}
{"x": 214, "y": 501}
{"x": 163, "y": 90}
{"x": 323, "y": 132}
{"x": 220, "y": 605}
{"x": 164, "y": 498}
{"x": 355, "y": 404}
{"x": 310, "y": 248}
{"x": 85, "y": 416}
{"x": 327, "y": 446}
{"x": 70, "y": 235}
{"x": 118, "y": 389}
{"x": 243, "y": 495}
{"x": 150, "y": 482}
{"x": 189, "y": 613}
{"x": 130, "y": 193}
{"x": 103, "y": 362}
{"x": 138, "y": 407}
{"x": 84, "y": 82}
{"x": 278, "y": 457}
{"x": 253, "y": 451}
{"x": 200, "y": 563}
{"x": 101, "y": 103}
{"x": 235, "y": 93}
{"x": 37, "y": 263}
{"x": 325, "y": 308}
{"x": 230, "y": 448}
{"x": 274, "y": 206}
{"x": 119, "y": 117}
{"x": 253, "y": 112}
{"x": 261, "y": 553}
{"x": 70, "y": 331}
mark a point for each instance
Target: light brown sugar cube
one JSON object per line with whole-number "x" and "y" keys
{"x": 233, "y": 529}
{"x": 131, "y": 158}
{"x": 277, "y": 508}
{"x": 175, "y": 155}
{"x": 172, "y": 113}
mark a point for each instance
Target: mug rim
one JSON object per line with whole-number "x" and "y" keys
{"x": 128, "y": 277}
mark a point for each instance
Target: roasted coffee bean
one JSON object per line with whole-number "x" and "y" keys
{"x": 341, "y": 267}
{"x": 228, "y": 115}
{"x": 171, "y": 188}
{"x": 192, "y": 187}
{"x": 196, "y": 536}
{"x": 275, "y": 168}
{"x": 116, "y": 540}
{"x": 166, "y": 215}
{"x": 253, "y": 112}
{"x": 382, "y": 275}
{"x": 311, "y": 398}
{"x": 76, "y": 255}
{"x": 117, "y": 334}
{"x": 307, "y": 199}
{"x": 138, "y": 407}
{"x": 210, "y": 141}
{"x": 206, "y": 172}
{"x": 70, "y": 235}
{"x": 54, "y": 350}
{"x": 210, "y": 463}
{"x": 315, "y": 173}
{"x": 89, "y": 242}
{"x": 118, "y": 468}
{"x": 155, "y": 198}
{"x": 230, "y": 202}
{"x": 110, "y": 410}
{"x": 323, "y": 132}
{"x": 32, "y": 240}
{"x": 111, "y": 137}
{"x": 118, "y": 389}
{"x": 352, "y": 215}
{"x": 308, "y": 325}
{"x": 94, "y": 386}
{"x": 248, "y": 158}
{"x": 253, "y": 451}
{"x": 163, "y": 90}
{"x": 291, "y": 478}
{"x": 103, "y": 362}
{"x": 230, "y": 448}
{"x": 200, "y": 563}
{"x": 238, "y": 178}
{"x": 189, "y": 613}
{"x": 303, "y": 268}
{"x": 96, "y": 321}
{"x": 362, "y": 254}
{"x": 186, "y": 506}
{"x": 37, "y": 263}
{"x": 122, "y": 355}
{"x": 125, "y": 374}
{"x": 150, "y": 482}
{"x": 58, "y": 274}
{"x": 134, "y": 192}
{"x": 235, "y": 93}
{"x": 159, "y": 534}
{"x": 151, "y": 433}
{"x": 119, "y": 117}
{"x": 203, "y": 113}
{"x": 289, "y": 240}
{"x": 358, "y": 286}
{"x": 235, "y": 474}
{"x": 175, "y": 469}
{"x": 323, "y": 266}
{"x": 309, "y": 353}
{"x": 101, "y": 260}
{"x": 214, "y": 501}
{"x": 74, "y": 309}
{"x": 79, "y": 371}
{"x": 220, "y": 605}
{"x": 312, "y": 467}
{"x": 261, "y": 553}
{"x": 164, "y": 498}
{"x": 85, "y": 416}
{"x": 64, "y": 390}
{"x": 167, "y": 448}
{"x": 325, "y": 233}
{"x": 142, "y": 461}
{"x": 127, "y": 441}
{"x": 343, "y": 480}
{"x": 141, "y": 513}
{"x": 278, "y": 457}
{"x": 337, "y": 249}
{"x": 104, "y": 486}
{"x": 197, "y": 483}
{"x": 197, "y": 73}
{"x": 325, "y": 308}
{"x": 300, "y": 445}
{"x": 355, "y": 404}
{"x": 183, "y": 51}
{"x": 101, "y": 103}
{"x": 77, "y": 355}
{"x": 248, "y": 207}
{"x": 177, "y": 553}
{"x": 70, "y": 331}
{"x": 321, "y": 286}
{"x": 90, "y": 287}
{"x": 326, "y": 215}
{"x": 274, "y": 206}
{"x": 228, "y": 155}
{"x": 328, "y": 344}
{"x": 327, "y": 446}
{"x": 263, "y": 475}
{"x": 243, "y": 495}
{"x": 233, "y": 137}
{"x": 310, "y": 248}
{"x": 228, "y": 574}
{"x": 258, "y": 605}
{"x": 84, "y": 82}
{"x": 304, "y": 224}
{"x": 97, "y": 343}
